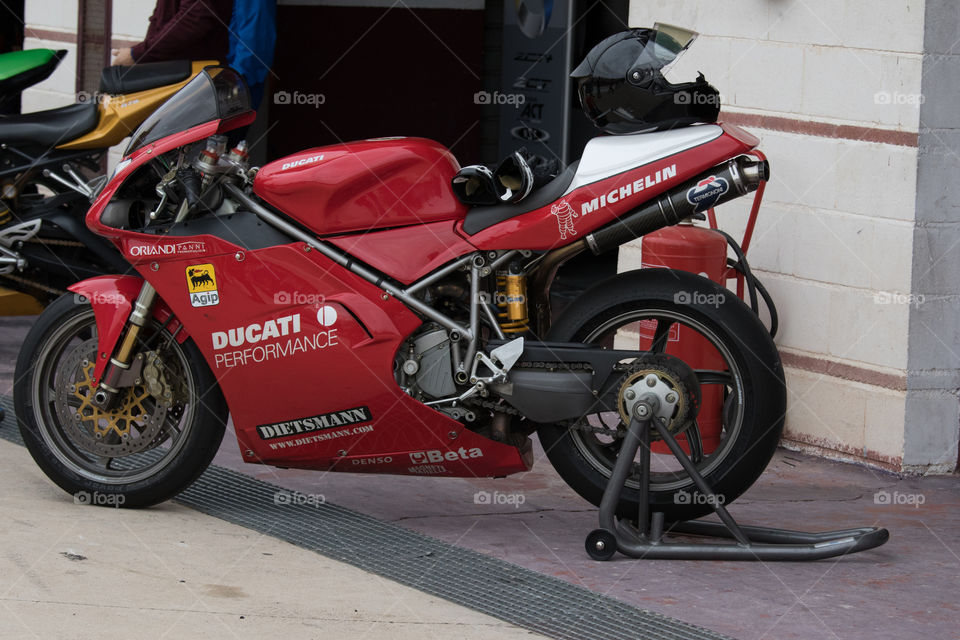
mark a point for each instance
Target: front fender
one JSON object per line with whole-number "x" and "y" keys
{"x": 112, "y": 299}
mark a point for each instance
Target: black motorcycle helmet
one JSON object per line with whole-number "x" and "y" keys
{"x": 622, "y": 88}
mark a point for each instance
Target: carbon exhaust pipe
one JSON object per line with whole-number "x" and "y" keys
{"x": 732, "y": 179}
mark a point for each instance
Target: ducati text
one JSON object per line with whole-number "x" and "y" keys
{"x": 301, "y": 162}
{"x": 256, "y": 333}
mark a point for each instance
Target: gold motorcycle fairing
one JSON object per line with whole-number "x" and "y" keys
{"x": 120, "y": 115}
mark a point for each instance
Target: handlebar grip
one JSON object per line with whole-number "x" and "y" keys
{"x": 191, "y": 185}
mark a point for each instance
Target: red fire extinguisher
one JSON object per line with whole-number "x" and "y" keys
{"x": 703, "y": 251}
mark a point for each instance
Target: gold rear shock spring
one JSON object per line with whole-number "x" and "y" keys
{"x": 512, "y": 302}
{"x": 5, "y": 214}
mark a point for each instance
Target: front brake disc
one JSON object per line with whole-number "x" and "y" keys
{"x": 134, "y": 425}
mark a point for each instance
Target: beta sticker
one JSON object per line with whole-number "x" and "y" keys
{"x": 202, "y": 285}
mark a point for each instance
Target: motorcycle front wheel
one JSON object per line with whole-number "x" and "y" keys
{"x": 741, "y": 383}
{"x": 159, "y": 436}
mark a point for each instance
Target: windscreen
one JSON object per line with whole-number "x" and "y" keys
{"x": 216, "y": 93}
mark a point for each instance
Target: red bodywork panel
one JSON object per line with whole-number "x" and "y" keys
{"x": 372, "y": 184}
{"x": 305, "y": 381}
{"x": 539, "y": 229}
{"x": 333, "y": 353}
{"x": 390, "y": 251}
{"x": 112, "y": 299}
{"x": 302, "y": 348}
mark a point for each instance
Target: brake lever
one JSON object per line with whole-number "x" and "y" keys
{"x": 162, "y": 192}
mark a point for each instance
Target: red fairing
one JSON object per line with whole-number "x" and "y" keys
{"x": 112, "y": 300}
{"x": 390, "y": 251}
{"x": 132, "y": 162}
{"x": 372, "y": 184}
{"x": 740, "y": 134}
{"x": 303, "y": 351}
{"x": 281, "y": 383}
{"x": 595, "y": 205}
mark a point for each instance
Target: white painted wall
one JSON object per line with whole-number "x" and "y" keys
{"x": 58, "y": 16}
{"x": 836, "y": 226}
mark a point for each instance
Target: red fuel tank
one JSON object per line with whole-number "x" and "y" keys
{"x": 370, "y": 184}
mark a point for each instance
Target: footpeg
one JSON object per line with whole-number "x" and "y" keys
{"x": 10, "y": 261}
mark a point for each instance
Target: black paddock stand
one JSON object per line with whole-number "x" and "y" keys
{"x": 752, "y": 543}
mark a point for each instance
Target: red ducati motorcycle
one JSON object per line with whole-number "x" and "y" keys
{"x": 352, "y": 314}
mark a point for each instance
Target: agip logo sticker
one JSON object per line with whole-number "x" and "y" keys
{"x": 202, "y": 285}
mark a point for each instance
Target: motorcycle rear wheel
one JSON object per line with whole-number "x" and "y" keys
{"x": 753, "y": 389}
{"x": 158, "y": 439}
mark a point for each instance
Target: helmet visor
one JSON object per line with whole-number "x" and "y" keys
{"x": 666, "y": 46}
{"x": 656, "y": 52}
{"x": 672, "y": 38}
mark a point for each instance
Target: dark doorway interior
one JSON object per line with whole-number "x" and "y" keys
{"x": 380, "y": 72}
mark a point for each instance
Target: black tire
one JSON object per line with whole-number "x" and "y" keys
{"x": 170, "y": 464}
{"x": 749, "y": 446}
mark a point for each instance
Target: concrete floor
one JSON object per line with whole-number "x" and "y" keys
{"x": 906, "y": 589}
{"x": 74, "y": 572}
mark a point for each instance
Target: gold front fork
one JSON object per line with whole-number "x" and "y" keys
{"x": 119, "y": 364}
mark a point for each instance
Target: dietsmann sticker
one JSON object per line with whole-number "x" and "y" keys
{"x": 336, "y": 419}
{"x": 202, "y": 285}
